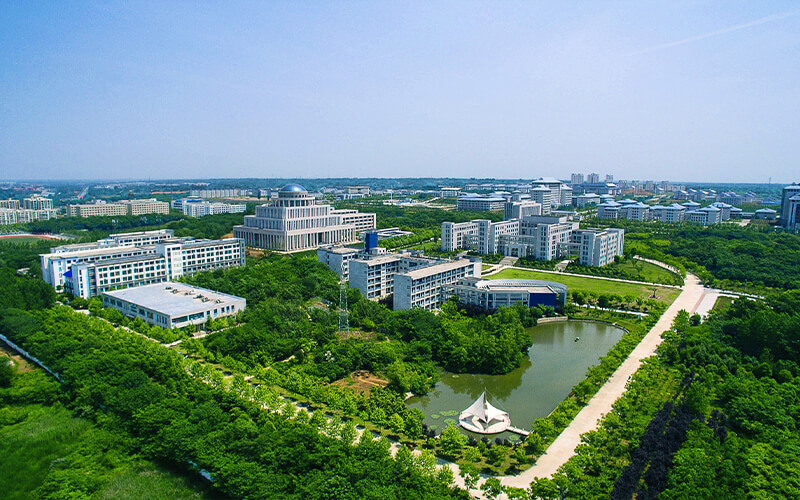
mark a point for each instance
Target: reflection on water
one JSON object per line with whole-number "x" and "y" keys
{"x": 556, "y": 362}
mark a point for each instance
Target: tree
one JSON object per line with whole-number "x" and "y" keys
{"x": 492, "y": 488}
{"x": 452, "y": 440}
{"x": 6, "y": 372}
{"x": 470, "y": 474}
{"x": 472, "y": 454}
{"x": 396, "y": 423}
{"x": 520, "y": 456}
{"x": 497, "y": 455}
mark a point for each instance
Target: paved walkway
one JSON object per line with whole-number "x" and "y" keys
{"x": 563, "y": 448}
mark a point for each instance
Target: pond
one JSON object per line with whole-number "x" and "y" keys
{"x": 556, "y": 362}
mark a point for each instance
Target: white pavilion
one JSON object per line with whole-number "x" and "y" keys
{"x": 483, "y": 418}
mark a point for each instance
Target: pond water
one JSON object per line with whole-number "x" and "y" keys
{"x": 555, "y": 363}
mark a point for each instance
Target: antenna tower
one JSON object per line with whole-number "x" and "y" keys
{"x": 344, "y": 322}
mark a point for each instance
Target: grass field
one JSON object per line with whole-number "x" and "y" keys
{"x": 21, "y": 240}
{"x": 589, "y": 284}
{"x": 723, "y": 303}
{"x": 647, "y": 271}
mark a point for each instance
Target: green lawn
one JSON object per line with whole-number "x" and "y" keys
{"x": 21, "y": 240}
{"x": 723, "y": 303}
{"x": 590, "y": 284}
{"x": 645, "y": 271}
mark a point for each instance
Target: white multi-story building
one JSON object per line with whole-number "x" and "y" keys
{"x": 593, "y": 178}
{"x": 423, "y": 287}
{"x": 554, "y": 185}
{"x": 577, "y": 179}
{"x": 373, "y": 275}
{"x": 201, "y": 208}
{"x": 491, "y": 294}
{"x": 765, "y": 214}
{"x": 790, "y": 207}
{"x": 338, "y": 259}
{"x": 37, "y": 202}
{"x": 23, "y": 215}
{"x": 12, "y": 204}
{"x": 361, "y": 221}
{"x": 137, "y": 238}
{"x": 671, "y": 213}
{"x": 608, "y": 210}
{"x": 705, "y": 216}
{"x": 173, "y": 305}
{"x": 87, "y": 272}
{"x": 449, "y": 192}
{"x": 480, "y": 203}
{"x": 218, "y": 193}
{"x": 123, "y": 207}
{"x": 481, "y": 235}
{"x": 634, "y": 211}
{"x": 586, "y": 199}
{"x": 295, "y": 222}
{"x": 543, "y": 196}
{"x": 724, "y": 208}
{"x": 597, "y": 247}
{"x": 566, "y": 195}
{"x": 519, "y": 208}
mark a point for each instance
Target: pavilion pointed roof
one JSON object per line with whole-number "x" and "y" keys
{"x": 484, "y": 411}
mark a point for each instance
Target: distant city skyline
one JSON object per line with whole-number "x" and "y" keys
{"x": 695, "y": 92}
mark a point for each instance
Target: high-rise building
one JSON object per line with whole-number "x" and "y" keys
{"x": 577, "y": 179}
{"x": 593, "y": 178}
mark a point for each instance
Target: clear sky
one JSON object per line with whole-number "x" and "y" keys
{"x": 675, "y": 89}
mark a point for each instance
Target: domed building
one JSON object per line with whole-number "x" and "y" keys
{"x": 296, "y": 222}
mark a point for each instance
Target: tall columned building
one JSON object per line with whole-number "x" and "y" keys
{"x": 295, "y": 222}
{"x": 790, "y": 207}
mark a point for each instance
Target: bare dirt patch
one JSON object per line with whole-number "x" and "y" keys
{"x": 362, "y": 381}
{"x": 356, "y": 334}
{"x": 19, "y": 362}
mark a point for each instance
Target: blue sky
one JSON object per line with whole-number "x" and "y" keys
{"x": 680, "y": 90}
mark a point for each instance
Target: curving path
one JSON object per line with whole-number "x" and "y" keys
{"x": 588, "y": 418}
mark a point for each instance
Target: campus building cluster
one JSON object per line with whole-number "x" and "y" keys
{"x": 173, "y": 305}
{"x": 32, "y": 209}
{"x": 135, "y": 259}
{"x": 196, "y": 207}
{"x": 689, "y": 211}
{"x": 416, "y": 281}
{"x": 123, "y": 207}
{"x": 549, "y": 193}
{"x": 413, "y": 280}
{"x": 295, "y": 221}
{"x": 535, "y": 236}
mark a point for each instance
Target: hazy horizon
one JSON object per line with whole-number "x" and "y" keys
{"x": 695, "y": 92}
